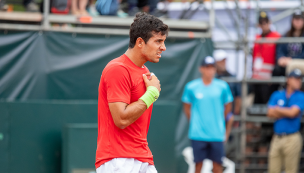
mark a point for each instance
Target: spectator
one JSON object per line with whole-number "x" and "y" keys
{"x": 264, "y": 54}
{"x": 221, "y": 71}
{"x": 2, "y": 5}
{"x": 92, "y": 8}
{"x": 207, "y": 104}
{"x": 286, "y": 107}
{"x": 78, "y": 7}
{"x": 30, "y": 6}
{"x": 162, "y": 8}
{"x": 106, "y": 7}
{"x": 138, "y": 5}
{"x": 264, "y": 57}
{"x": 288, "y": 51}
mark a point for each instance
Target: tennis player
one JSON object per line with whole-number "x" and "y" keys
{"x": 127, "y": 91}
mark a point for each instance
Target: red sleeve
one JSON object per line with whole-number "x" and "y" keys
{"x": 118, "y": 83}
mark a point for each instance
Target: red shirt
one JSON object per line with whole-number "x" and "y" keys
{"x": 122, "y": 81}
{"x": 264, "y": 57}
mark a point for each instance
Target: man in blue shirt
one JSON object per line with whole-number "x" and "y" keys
{"x": 287, "y": 108}
{"x": 207, "y": 101}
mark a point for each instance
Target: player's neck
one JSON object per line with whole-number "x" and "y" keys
{"x": 289, "y": 90}
{"x": 207, "y": 81}
{"x": 135, "y": 57}
{"x": 265, "y": 33}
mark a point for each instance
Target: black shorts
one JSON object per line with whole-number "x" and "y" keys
{"x": 208, "y": 150}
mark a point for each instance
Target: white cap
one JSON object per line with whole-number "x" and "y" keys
{"x": 219, "y": 55}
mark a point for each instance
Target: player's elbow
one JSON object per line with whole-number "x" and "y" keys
{"x": 122, "y": 124}
{"x": 294, "y": 112}
{"x": 119, "y": 120}
{"x": 269, "y": 114}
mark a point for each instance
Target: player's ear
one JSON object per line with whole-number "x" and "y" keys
{"x": 140, "y": 42}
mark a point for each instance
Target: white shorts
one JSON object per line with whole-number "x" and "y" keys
{"x": 126, "y": 165}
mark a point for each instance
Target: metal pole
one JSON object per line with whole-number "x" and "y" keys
{"x": 46, "y": 8}
{"x": 238, "y": 46}
{"x": 257, "y": 5}
{"x": 244, "y": 94}
{"x": 280, "y": 40}
{"x": 230, "y": 13}
{"x": 211, "y": 18}
{"x": 257, "y": 11}
{"x": 282, "y": 15}
{"x": 224, "y": 29}
{"x": 243, "y": 111}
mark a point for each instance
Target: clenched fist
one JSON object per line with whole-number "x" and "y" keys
{"x": 152, "y": 81}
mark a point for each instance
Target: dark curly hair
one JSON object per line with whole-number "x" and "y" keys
{"x": 144, "y": 25}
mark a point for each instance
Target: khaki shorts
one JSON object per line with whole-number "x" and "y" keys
{"x": 285, "y": 153}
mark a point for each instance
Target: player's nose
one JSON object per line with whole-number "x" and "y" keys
{"x": 163, "y": 47}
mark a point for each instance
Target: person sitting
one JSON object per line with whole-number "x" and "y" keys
{"x": 105, "y": 7}
{"x": 138, "y": 5}
{"x": 78, "y": 7}
{"x": 289, "y": 51}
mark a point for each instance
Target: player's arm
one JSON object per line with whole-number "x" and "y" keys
{"x": 279, "y": 112}
{"x": 229, "y": 124}
{"x": 271, "y": 114}
{"x": 237, "y": 105}
{"x": 125, "y": 114}
{"x": 187, "y": 110}
{"x": 227, "y": 112}
{"x": 228, "y": 108}
{"x": 272, "y": 103}
{"x": 187, "y": 100}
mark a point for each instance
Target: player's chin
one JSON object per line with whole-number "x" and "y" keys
{"x": 155, "y": 59}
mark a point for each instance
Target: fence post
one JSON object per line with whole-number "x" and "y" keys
{"x": 46, "y": 8}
